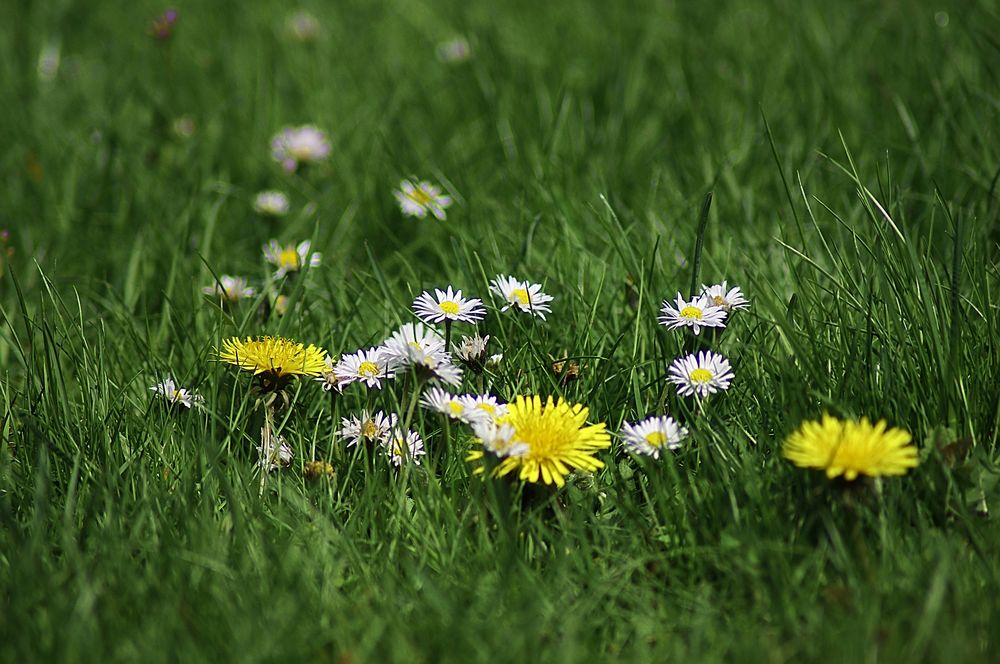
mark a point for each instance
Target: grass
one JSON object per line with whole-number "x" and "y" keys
{"x": 851, "y": 154}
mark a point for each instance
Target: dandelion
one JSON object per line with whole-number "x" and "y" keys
{"x": 556, "y": 437}
{"x": 727, "y": 298}
{"x": 290, "y": 258}
{"x": 652, "y": 435}
{"x": 416, "y": 200}
{"x": 168, "y": 390}
{"x": 443, "y": 402}
{"x": 229, "y": 290}
{"x": 472, "y": 351}
{"x": 294, "y": 145}
{"x": 454, "y": 50}
{"x": 303, "y": 26}
{"x": 271, "y": 203}
{"x": 316, "y": 469}
{"x": 527, "y": 297}
{"x": 448, "y": 306}
{"x": 702, "y": 374}
{"x": 277, "y": 453}
{"x": 275, "y": 360}
{"x": 368, "y": 366}
{"x": 402, "y": 447}
{"x": 698, "y": 313}
{"x": 372, "y": 428}
{"x": 847, "y": 448}
{"x": 481, "y": 407}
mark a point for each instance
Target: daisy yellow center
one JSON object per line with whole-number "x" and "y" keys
{"x": 178, "y": 395}
{"x": 449, "y": 307}
{"x": 719, "y": 300}
{"x": 302, "y": 151}
{"x": 656, "y": 438}
{"x": 701, "y": 375}
{"x": 487, "y": 408}
{"x": 369, "y": 430}
{"x": 289, "y": 258}
{"x": 420, "y": 197}
{"x": 691, "y": 313}
{"x": 455, "y": 407}
{"x": 519, "y": 294}
{"x": 368, "y": 369}
{"x": 416, "y": 344}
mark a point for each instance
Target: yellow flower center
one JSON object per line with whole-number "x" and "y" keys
{"x": 520, "y": 294}
{"x": 691, "y": 313}
{"x": 449, "y": 307}
{"x": 420, "y": 197}
{"x": 368, "y": 369}
{"x": 289, "y": 258}
{"x": 487, "y": 408}
{"x": 719, "y": 300}
{"x": 178, "y": 395}
{"x": 702, "y": 376}
{"x": 369, "y": 430}
{"x": 455, "y": 407}
{"x": 656, "y": 438}
{"x": 301, "y": 151}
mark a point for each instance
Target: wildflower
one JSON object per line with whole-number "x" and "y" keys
{"x": 183, "y": 126}
{"x": 290, "y": 258}
{"x": 481, "y": 407}
{"x": 276, "y": 454}
{"x": 276, "y": 360}
{"x": 698, "y": 313}
{"x": 402, "y": 447}
{"x": 316, "y": 469}
{"x": 416, "y": 200}
{"x": 454, "y": 50}
{"x": 229, "y": 290}
{"x": 328, "y": 379}
{"x": 373, "y": 428}
{"x": 556, "y": 437}
{"x": 498, "y": 439}
{"x": 449, "y": 306}
{"x": 163, "y": 27}
{"x": 413, "y": 337}
{"x": 847, "y": 448}
{"x": 494, "y": 361}
{"x": 527, "y": 297}
{"x": 702, "y": 374}
{"x": 281, "y": 305}
{"x": 566, "y": 370}
{"x": 652, "y": 435}
{"x": 294, "y": 145}
{"x": 369, "y": 366}
{"x": 727, "y": 298}
{"x": 48, "y": 62}
{"x": 168, "y": 390}
{"x": 271, "y": 203}
{"x": 303, "y": 26}
{"x": 472, "y": 351}
{"x": 444, "y": 402}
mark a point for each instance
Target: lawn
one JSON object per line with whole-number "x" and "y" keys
{"x": 839, "y": 162}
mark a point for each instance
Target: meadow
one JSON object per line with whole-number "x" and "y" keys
{"x": 839, "y": 162}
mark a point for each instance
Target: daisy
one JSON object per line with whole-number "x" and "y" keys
{"x": 275, "y": 360}
{"x": 493, "y": 362}
{"x": 702, "y": 374}
{"x": 290, "y": 258}
{"x": 411, "y": 343}
{"x": 447, "y": 305}
{"x": 369, "y": 366}
{"x": 472, "y": 350}
{"x": 698, "y": 313}
{"x": 499, "y": 439}
{"x": 556, "y": 435}
{"x": 443, "y": 402}
{"x": 229, "y": 290}
{"x": 652, "y": 435}
{"x": 372, "y": 428}
{"x": 526, "y": 297}
{"x": 277, "y": 455}
{"x": 454, "y": 50}
{"x": 293, "y": 145}
{"x": 328, "y": 379}
{"x": 168, "y": 390}
{"x": 849, "y": 449}
{"x": 271, "y": 204}
{"x": 303, "y": 26}
{"x": 481, "y": 408}
{"x": 401, "y": 447}
{"x": 416, "y": 200}
{"x": 727, "y": 298}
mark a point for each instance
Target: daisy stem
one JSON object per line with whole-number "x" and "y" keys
{"x": 266, "y": 438}
{"x": 414, "y": 396}
{"x": 447, "y": 334}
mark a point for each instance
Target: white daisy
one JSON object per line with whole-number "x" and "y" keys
{"x": 727, "y": 298}
{"x": 481, "y": 408}
{"x": 168, "y": 390}
{"x": 499, "y": 439}
{"x": 290, "y": 258}
{"x": 303, "y": 26}
{"x": 277, "y": 455}
{"x": 443, "y": 402}
{"x": 229, "y": 289}
{"x": 328, "y": 379}
{"x": 454, "y": 50}
{"x": 447, "y": 305}
{"x": 370, "y": 366}
{"x": 411, "y": 343}
{"x": 525, "y": 296}
{"x": 494, "y": 361}
{"x": 271, "y": 204}
{"x": 702, "y": 374}
{"x": 416, "y": 200}
{"x": 472, "y": 350}
{"x": 293, "y": 145}
{"x": 373, "y": 428}
{"x": 653, "y": 434}
{"x": 698, "y": 313}
{"x": 399, "y": 447}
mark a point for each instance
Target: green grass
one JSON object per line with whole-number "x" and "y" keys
{"x": 852, "y": 153}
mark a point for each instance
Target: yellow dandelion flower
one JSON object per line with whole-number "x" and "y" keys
{"x": 851, "y": 448}
{"x": 276, "y": 359}
{"x": 545, "y": 443}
